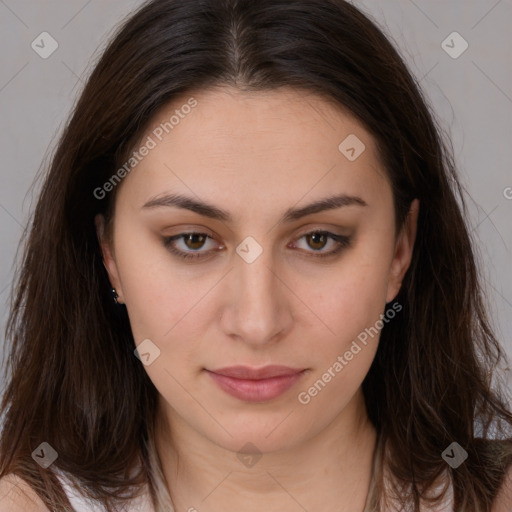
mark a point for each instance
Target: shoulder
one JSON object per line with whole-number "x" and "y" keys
{"x": 503, "y": 501}
{"x": 16, "y": 495}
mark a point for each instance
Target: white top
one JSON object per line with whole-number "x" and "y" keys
{"x": 81, "y": 504}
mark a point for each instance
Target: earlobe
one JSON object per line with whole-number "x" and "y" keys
{"x": 109, "y": 261}
{"x": 403, "y": 251}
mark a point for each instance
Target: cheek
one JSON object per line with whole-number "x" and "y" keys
{"x": 353, "y": 299}
{"x": 351, "y": 306}
{"x": 161, "y": 296}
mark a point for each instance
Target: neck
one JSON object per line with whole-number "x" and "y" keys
{"x": 330, "y": 472}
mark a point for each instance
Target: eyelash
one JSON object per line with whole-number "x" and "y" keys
{"x": 342, "y": 241}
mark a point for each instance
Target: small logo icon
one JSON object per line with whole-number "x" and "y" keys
{"x": 147, "y": 352}
{"x": 249, "y": 455}
{"x": 454, "y": 45}
{"x": 44, "y": 455}
{"x": 455, "y": 455}
{"x": 352, "y": 147}
{"x": 44, "y": 45}
{"x": 249, "y": 249}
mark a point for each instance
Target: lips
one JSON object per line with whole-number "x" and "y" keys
{"x": 248, "y": 373}
{"x": 256, "y": 384}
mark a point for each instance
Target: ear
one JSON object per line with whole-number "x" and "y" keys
{"x": 107, "y": 252}
{"x": 403, "y": 251}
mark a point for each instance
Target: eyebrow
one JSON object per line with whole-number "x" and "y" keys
{"x": 213, "y": 212}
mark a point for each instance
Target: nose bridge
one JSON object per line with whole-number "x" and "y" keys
{"x": 259, "y": 310}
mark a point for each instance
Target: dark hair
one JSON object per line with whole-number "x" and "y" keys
{"x": 75, "y": 382}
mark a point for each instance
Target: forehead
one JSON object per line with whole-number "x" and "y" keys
{"x": 254, "y": 147}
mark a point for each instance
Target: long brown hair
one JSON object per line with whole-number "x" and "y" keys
{"x": 73, "y": 380}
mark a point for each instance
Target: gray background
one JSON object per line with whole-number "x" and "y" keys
{"x": 471, "y": 95}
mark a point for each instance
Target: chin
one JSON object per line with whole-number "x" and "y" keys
{"x": 270, "y": 432}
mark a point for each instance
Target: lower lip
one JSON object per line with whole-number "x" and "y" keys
{"x": 256, "y": 390}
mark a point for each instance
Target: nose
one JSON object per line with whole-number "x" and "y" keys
{"x": 258, "y": 310}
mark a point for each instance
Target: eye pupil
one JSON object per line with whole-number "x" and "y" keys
{"x": 192, "y": 237}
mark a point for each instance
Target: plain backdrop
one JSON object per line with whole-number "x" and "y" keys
{"x": 470, "y": 92}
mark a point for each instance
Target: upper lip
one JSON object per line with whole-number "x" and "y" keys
{"x": 248, "y": 373}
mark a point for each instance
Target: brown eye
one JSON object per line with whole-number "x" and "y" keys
{"x": 190, "y": 245}
{"x": 195, "y": 241}
{"x": 318, "y": 240}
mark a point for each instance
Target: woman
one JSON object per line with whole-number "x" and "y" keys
{"x": 248, "y": 283}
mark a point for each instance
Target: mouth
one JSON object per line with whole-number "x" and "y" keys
{"x": 256, "y": 384}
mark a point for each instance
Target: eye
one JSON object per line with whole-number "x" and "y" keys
{"x": 318, "y": 240}
{"x": 193, "y": 242}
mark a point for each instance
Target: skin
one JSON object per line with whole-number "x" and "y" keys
{"x": 256, "y": 155}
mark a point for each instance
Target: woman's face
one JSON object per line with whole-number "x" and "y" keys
{"x": 255, "y": 287}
